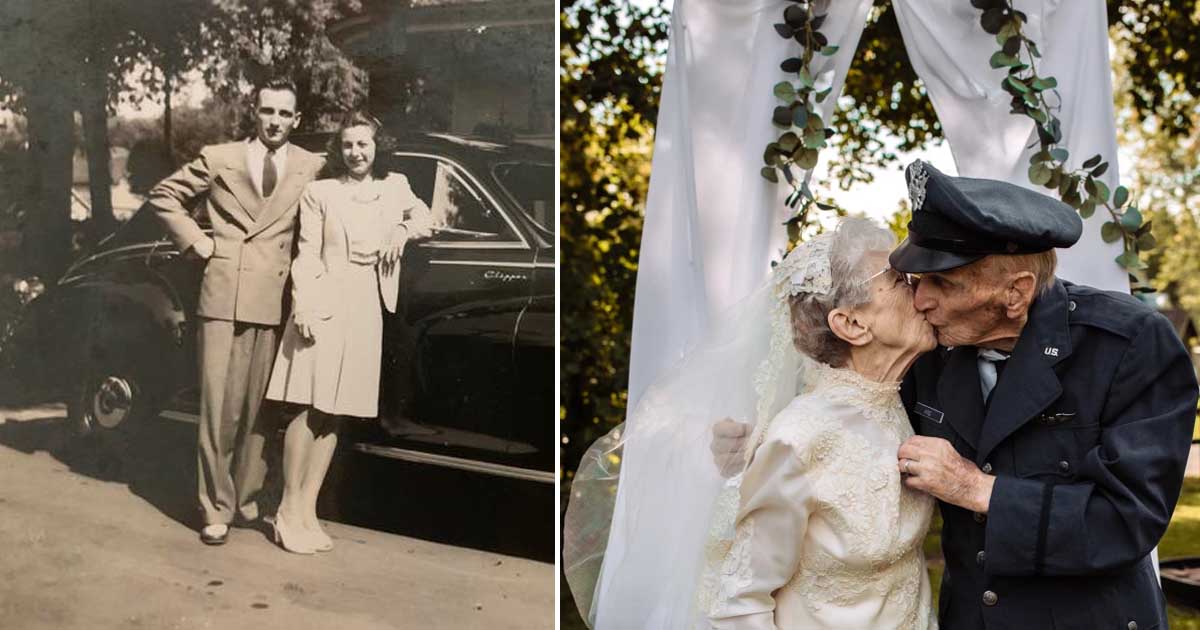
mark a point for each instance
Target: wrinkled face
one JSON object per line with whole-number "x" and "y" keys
{"x": 358, "y": 150}
{"x": 276, "y": 116}
{"x": 891, "y": 316}
{"x": 960, "y": 304}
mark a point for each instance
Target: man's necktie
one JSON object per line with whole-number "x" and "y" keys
{"x": 269, "y": 175}
{"x": 990, "y": 366}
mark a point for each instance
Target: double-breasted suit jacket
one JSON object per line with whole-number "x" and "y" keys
{"x": 245, "y": 278}
{"x": 1087, "y": 433}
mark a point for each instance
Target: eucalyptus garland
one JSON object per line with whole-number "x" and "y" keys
{"x": 803, "y": 131}
{"x": 1081, "y": 188}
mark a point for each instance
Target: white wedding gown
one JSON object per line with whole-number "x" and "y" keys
{"x": 826, "y": 534}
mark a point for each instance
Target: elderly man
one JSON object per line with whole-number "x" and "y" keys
{"x": 253, "y": 191}
{"x": 1053, "y": 423}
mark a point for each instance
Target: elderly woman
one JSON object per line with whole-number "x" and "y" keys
{"x": 827, "y": 536}
{"x": 353, "y": 229}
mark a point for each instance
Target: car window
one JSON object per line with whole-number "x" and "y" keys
{"x": 531, "y": 185}
{"x": 460, "y": 212}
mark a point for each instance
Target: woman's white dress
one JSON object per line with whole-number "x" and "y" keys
{"x": 826, "y": 534}
{"x": 338, "y": 281}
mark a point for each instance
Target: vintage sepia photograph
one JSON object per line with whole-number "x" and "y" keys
{"x": 879, "y": 314}
{"x": 277, "y": 314}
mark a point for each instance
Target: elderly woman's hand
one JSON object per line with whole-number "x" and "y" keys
{"x": 728, "y": 446}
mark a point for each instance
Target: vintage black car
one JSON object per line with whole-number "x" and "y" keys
{"x": 468, "y": 372}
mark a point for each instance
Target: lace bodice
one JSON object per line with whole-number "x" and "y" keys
{"x": 826, "y": 535}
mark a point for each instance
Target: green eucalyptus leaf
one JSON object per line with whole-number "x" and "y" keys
{"x": 771, "y": 156}
{"x": 806, "y": 79}
{"x": 808, "y": 159}
{"x": 814, "y": 121}
{"x": 1145, "y": 229}
{"x": 1012, "y": 46}
{"x": 769, "y": 174}
{"x": 823, "y": 94}
{"x": 1033, "y": 49}
{"x": 1060, "y": 154}
{"x": 1047, "y": 83}
{"x": 1017, "y": 84}
{"x": 987, "y": 4}
{"x": 1102, "y": 191}
{"x": 826, "y": 206}
{"x": 792, "y": 65}
{"x": 993, "y": 20}
{"x": 788, "y": 142}
{"x": 1092, "y": 161}
{"x": 1090, "y": 186}
{"x": 782, "y": 117}
{"x": 784, "y": 30}
{"x": 818, "y": 21}
{"x": 1038, "y": 115}
{"x": 1040, "y": 156}
{"x": 1056, "y": 179}
{"x": 1000, "y": 59}
{"x": 1031, "y": 99}
{"x": 819, "y": 40}
{"x": 1132, "y": 219}
{"x": 1129, "y": 260}
{"x": 1100, "y": 170}
{"x": 814, "y": 138}
{"x": 829, "y": 51}
{"x": 1039, "y": 174}
{"x": 1109, "y": 232}
{"x": 796, "y": 17}
{"x": 1120, "y": 196}
{"x": 1146, "y": 242}
{"x": 1088, "y": 208}
{"x": 799, "y": 115}
{"x": 785, "y": 90}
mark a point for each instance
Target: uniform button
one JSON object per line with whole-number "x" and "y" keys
{"x": 987, "y": 468}
{"x": 981, "y": 557}
{"x": 989, "y": 598}
{"x": 1132, "y": 625}
{"x": 1071, "y": 307}
{"x": 1064, "y": 465}
{"x": 979, "y": 518}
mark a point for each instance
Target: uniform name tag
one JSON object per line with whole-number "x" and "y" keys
{"x": 1053, "y": 419}
{"x": 929, "y": 413}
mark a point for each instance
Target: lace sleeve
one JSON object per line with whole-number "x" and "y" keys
{"x": 775, "y": 506}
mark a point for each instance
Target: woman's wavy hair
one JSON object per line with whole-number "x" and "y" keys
{"x": 384, "y": 144}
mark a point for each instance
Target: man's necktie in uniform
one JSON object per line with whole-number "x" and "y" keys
{"x": 991, "y": 365}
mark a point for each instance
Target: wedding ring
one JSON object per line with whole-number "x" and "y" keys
{"x": 904, "y": 466}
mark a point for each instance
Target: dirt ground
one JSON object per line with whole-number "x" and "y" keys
{"x": 79, "y": 550}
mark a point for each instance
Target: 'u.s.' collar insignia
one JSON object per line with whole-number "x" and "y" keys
{"x": 1051, "y": 352}
{"x": 929, "y": 413}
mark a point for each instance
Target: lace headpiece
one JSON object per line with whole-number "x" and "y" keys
{"x": 806, "y": 268}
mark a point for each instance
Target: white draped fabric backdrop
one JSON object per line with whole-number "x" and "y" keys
{"x": 713, "y": 224}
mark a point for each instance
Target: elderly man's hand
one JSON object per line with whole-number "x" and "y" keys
{"x": 931, "y": 465}
{"x": 728, "y": 446}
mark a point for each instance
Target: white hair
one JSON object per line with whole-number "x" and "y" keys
{"x": 851, "y": 241}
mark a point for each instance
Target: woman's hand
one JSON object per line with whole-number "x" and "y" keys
{"x": 305, "y": 325}
{"x": 391, "y": 254}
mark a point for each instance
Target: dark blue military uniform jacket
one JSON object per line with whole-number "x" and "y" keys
{"x": 1087, "y": 433}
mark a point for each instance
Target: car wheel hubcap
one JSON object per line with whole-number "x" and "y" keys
{"x": 111, "y": 404}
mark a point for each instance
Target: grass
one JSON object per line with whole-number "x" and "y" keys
{"x": 1182, "y": 539}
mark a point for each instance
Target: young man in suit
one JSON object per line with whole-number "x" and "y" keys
{"x": 253, "y": 188}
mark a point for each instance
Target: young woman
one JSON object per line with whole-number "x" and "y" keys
{"x": 353, "y": 229}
